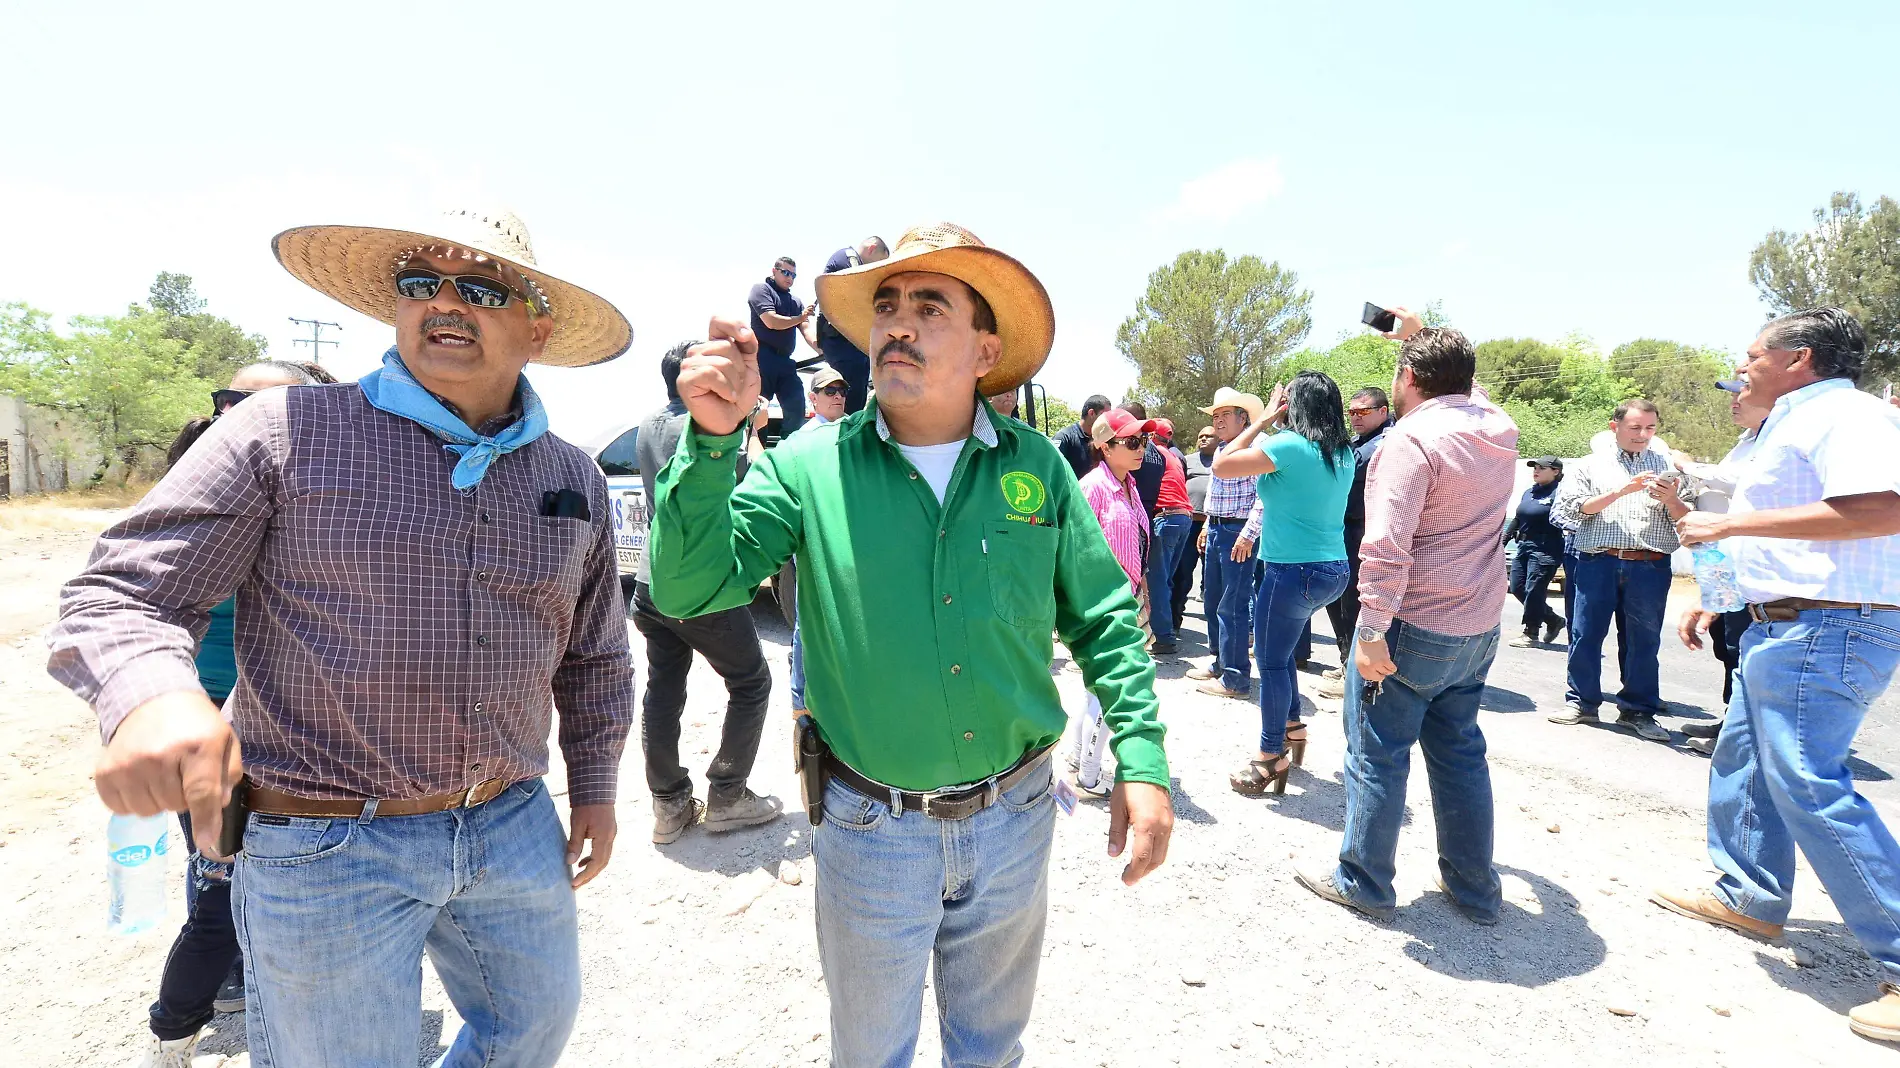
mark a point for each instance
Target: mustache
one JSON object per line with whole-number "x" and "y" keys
{"x": 452, "y": 322}
{"x": 902, "y": 347}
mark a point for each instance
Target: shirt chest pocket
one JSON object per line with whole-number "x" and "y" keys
{"x": 1021, "y": 560}
{"x": 539, "y": 554}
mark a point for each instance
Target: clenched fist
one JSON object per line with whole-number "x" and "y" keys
{"x": 719, "y": 379}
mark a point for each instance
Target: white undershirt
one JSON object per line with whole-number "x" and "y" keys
{"x": 934, "y": 462}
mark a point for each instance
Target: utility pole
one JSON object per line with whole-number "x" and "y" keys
{"x": 315, "y": 340}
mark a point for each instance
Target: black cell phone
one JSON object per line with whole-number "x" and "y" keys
{"x": 1378, "y": 318}
{"x": 236, "y": 810}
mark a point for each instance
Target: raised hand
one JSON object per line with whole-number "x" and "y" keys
{"x": 719, "y": 379}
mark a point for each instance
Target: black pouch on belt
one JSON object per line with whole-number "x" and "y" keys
{"x": 236, "y": 812}
{"x": 809, "y": 751}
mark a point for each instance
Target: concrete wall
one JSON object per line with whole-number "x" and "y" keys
{"x": 45, "y": 450}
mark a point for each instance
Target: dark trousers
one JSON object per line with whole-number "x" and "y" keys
{"x": 1640, "y": 589}
{"x": 1531, "y": 573}
{"x": 730, "y": 644}
{"x": 1184, "y": 572}
{"x": 1344, "y": 612}
{"x": 789, "y": 389}
{"x": 855, "y": 366}
{"x": 1725, "y": 637}
{"x": 203, "y": 953}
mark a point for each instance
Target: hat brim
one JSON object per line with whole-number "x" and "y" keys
{"x": 1025, "y": 318}
{"x": 1254, "y": 411}
{"x": 355, "y": 266}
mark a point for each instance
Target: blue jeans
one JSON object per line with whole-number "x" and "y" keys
{"x": 1639, "y": 590}
{"x": 1432, "y": 700}
{"x": 1282, "y": 616}
{"x": 1229, "y": 605}
{"x": 798, "y": 670}
{"x": 334, "y": 915}
{"x": 1779, "y": 776}
{"x": 789, "y": 389}
{"x": 1164, "y": 555}
{"x": 897, "y": 892}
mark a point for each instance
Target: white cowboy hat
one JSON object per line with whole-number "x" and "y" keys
{"x": 1025, "y": 319}
{"x": 1229, "y": 397}
{"x": 356, "y": 265}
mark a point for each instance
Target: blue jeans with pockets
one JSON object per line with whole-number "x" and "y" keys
{"x": 899, "y": 892}
{"x": 1164, "y": 557}
{"x": 1229, "y": 605}
{"x": 1432, "y": 701}
{"x": 334, "y": 916}
{"x": 1631, "y": 594}
{"x": 1282, "y": 615}
{"x": 1779, "y": 777}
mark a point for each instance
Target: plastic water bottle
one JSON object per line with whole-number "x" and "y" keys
{"x": 135, "y": 872}
{"x": 1715, "y": 576}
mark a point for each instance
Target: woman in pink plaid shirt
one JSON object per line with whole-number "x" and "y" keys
{"x": 1119, "y": 440}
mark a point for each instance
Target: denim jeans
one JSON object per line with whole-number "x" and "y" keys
{"x": 335, "y": 914}
{"x": 1344, "y": 611}
{"x": 788, "y": 388}
{"x": 204, "y": 951}
{"x": 1779, "y": 777}
{"x": 1183, "y": 579}
{"x": 1229, "y": 605}
{"x": 1282, "y": 613}
{"x": 798, "y": 670}
{"x": 1432, "y": 700}
{"x": 897, "y": 892}
{"x": 1164, "y": 555}
{"x": 730, "y": 643}
{"x": 1639, "y": 591}
{"x": 1531, "y": 573}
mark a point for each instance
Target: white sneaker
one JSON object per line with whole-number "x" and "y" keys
{"x": 173, "y": 1053}
{"x": 1333, "y": 689}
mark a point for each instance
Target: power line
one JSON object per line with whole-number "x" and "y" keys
{"x": 315, "y": 340}
{"x": 1618, "y": 365}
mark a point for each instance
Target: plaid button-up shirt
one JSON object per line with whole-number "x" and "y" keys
{"x": 1633, "y": 522}
{"x": 395, "y": 638}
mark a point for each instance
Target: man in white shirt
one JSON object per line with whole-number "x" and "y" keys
{"x": 1814, "y": 534}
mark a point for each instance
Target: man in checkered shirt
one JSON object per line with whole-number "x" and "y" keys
{"x": 422, "y": 573}
{"x": 1623, "y": 505}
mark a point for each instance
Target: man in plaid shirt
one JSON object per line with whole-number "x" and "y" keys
{"x": 1623, "y": 505}
{"x": 422, "y": 573}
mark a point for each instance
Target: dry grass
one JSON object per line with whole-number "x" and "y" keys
{"x": 87, "y": 509}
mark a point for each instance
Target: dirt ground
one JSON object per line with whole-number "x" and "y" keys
{"x": 700, "y": 953}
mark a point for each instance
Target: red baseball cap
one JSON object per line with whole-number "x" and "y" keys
{"x": 1116, "y": 423}
{"x": 1165, "y": 427}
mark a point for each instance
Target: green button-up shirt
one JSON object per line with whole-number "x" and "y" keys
{"x": 926, "y": 627}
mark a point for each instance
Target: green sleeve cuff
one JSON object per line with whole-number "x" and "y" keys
{"x": 1140, "y": 758}
{"x": 696, "y": 444}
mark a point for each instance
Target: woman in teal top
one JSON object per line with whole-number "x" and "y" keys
{"x": 1305, "y": 473}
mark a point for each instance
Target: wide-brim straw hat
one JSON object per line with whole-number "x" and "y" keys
{"x": 356, "y": 266}
{"x": 1025, "y": 319}
{"x": 1229, "y": 397}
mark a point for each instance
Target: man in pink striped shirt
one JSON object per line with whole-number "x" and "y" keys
{"x": 1431, "y": 589}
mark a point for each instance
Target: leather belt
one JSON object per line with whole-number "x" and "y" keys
{"x": 1223, "y": 520}
{"x": 1176, "y": 511}
{"x": 954, "y": 803}
{"x": 277, "y": 803}
{"x": 1790, "y": 608}
{"x": 1631, "y": 554}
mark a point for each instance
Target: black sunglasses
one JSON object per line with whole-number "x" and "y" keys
{"x": 223, "y": 400}
{"x": 476, "y": 291}
{"x": 835, "y": 391}
{"x": 1134, "y": 443}
{"x": 786, "y": 272}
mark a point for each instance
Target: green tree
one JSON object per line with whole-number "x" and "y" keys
{"x": 1206, "y": 322}
{"x": 216, "y": 347}
{"x": 1358, "y": 361}
{"x": 122, "y": 377}
{"x": 1053, "y": 414}
{"x": 1521, "y": 368}
{"x": 1851, "y": 259}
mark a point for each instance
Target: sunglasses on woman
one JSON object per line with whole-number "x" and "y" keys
{"x": 1134, "y": 444}
{"x": 223, "y": 400}
{"x": 476, "y": 291}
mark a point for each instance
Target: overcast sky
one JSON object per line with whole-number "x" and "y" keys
{"x": 1539, "y": 167}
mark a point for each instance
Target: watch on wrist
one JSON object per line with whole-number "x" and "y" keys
{"x": 1368, "y": 634}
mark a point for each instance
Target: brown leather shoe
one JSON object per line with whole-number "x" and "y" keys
{"x": 1201, "y": 674}
{"x": 1215, "y": 689}
{"x": 1878, "y": 1019}
{"x": 1705, "y": 906}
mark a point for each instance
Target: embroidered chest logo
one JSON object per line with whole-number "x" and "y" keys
{"x": 1023, "y": 492}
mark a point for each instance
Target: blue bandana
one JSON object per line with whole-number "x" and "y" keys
{"x": 394, "y": 390}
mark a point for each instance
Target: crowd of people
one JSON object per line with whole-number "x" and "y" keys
{"x": 413, "y": 575}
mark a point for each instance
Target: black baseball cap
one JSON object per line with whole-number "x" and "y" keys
{"x": 1545, "y": 461}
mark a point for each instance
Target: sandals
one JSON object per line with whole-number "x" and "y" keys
{"x": 1296, "y": 743}
{"x": 1260, "y": 776}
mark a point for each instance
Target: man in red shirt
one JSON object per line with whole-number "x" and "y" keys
{"x": 1431, "y": 588}
{"x": 1173, "y": 525}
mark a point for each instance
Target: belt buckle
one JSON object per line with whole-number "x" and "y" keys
{"x": 469, "y": 800}
{"x": 953, "y": 808}
{"x": 1758, "y": 613}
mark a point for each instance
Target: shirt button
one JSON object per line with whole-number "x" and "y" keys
{"x": 913, "y": 475}
{"x": 716, "y": 453}
{"x": 940, "y": 534}
{"x": 946, "y": 598}
{"x": 482, "y": 576}
{"x": 481, "y": 639}
{"x": 477, "y": 766}
{"x": 485, "y": 518}
{"x": 956, "y": 669}
{"x": 478, "y": 706}
{"x": 969, "y": 736}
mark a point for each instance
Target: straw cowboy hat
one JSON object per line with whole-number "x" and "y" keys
{"x": 1229, "y": 397}
{"x": 356, "y": 265}
{"x": 1025, "y": 319}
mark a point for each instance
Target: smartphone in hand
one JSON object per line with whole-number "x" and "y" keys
{"x": 1378, "y": 318}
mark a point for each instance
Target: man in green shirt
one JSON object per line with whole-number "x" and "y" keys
{"x": 938, "y": 546}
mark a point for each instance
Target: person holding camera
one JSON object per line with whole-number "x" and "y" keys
{"x": 1623, "y": 506}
